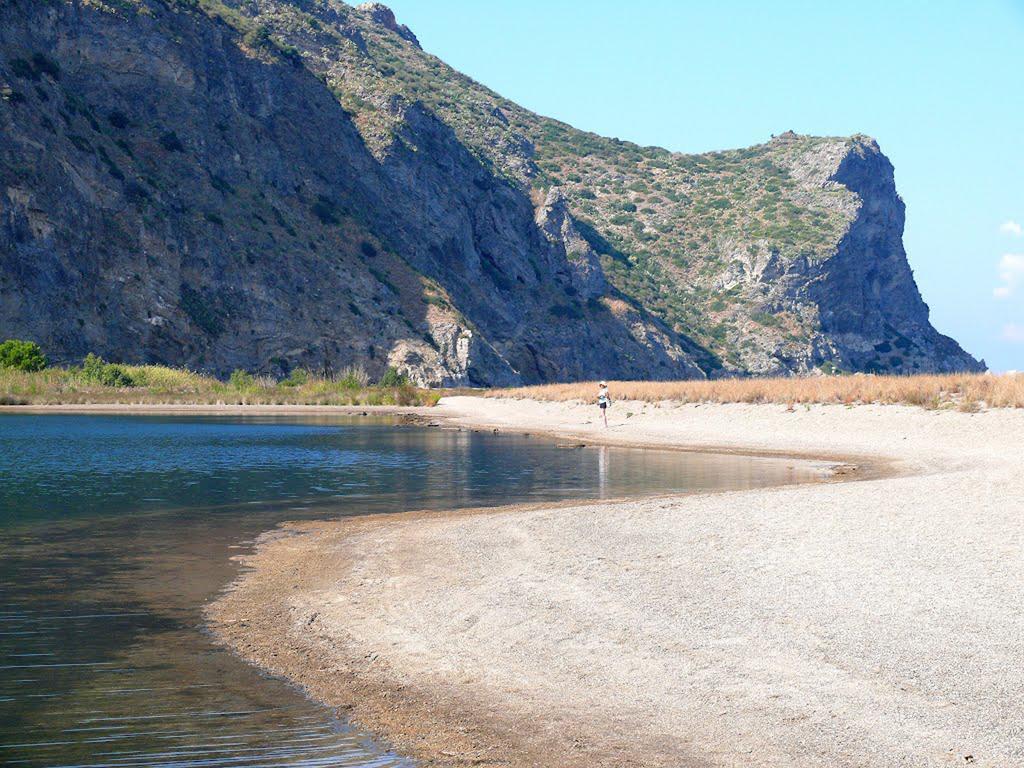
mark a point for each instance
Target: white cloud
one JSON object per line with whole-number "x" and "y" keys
{"x": 1011, "y": 274}
{"x": 1011, "y": 227}
{"x": 1013, "y": 332}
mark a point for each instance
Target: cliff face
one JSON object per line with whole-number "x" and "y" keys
{"x": 857, "y": 305}
{"x": 869, "y": 306}
{"x": 269, "y": 184}
{"x": 170, "y": 197}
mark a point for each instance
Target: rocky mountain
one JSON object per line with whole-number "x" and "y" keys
{"x": 267, "y": 184}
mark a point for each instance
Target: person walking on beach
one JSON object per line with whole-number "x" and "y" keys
{"x": 603, "y": 401}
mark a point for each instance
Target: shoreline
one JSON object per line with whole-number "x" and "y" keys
{"x": 282, "y": 613}
{"x": 207, "y": 409}
{"x": 867, "y": 466}
{"x": 844, "y": 466}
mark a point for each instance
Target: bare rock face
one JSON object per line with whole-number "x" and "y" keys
{"x": 381, "y": 14}
{"x": 861, "y": 301}
{"x": 868, "y": 303}
{"x": 168, "y": 195}
{"x": 266, "y": 184}
{"x": 576, "y": 264}
{"x": 452, "y": 355}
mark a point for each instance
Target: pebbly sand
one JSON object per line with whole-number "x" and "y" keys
{"x": 870, "y": 623}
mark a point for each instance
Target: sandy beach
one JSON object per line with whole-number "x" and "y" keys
{"x": 877, "y": 621}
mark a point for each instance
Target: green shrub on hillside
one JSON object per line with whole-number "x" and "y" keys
{"x": 171, "y": 142}
{"x": 392, "y": 378}
{"x": 353, "y": 377}
{"x": 296, "y": 378}
{"x": 34, "y": 69}
{"x": 764, "y": 318}
{"x": 21, "y": 355}
{"x": 96, "y": 370}
{"x": 566, "y": 311}
{"x": 240, "y": 379}
{"x": 117, "y": 376}
{"x": 325, "y": 210}
{"x": 197, "y": 306}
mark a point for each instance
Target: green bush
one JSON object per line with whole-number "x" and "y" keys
{"x": 45, "y": 66}
{"x": 325, "y": 210}
{"x": 200, "y": 310}
{"x": 23, "y": 69}
{"x": 117, "y": 376}
{"x": 240, "y": 379}
{"x": 40, "y": 65}
{"x": 353, "y": 377}
{"x": 829, "y": 368}
{"x": 764, "y": 318}
{"x": 392, "y": 378}
{"x": 569, "y": 311}
{"x": 171, "y": 142}
{"x": 118, "y": 119}
{"x": 296, "y": 378}
{"x": 96, "y": 370}
{"x": 91, "y": 366}
{"x": 22, "y": 355}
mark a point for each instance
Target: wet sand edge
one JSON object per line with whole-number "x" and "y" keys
{"x": 259, "y": 617}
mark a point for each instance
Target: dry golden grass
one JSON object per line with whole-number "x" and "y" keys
{"x": 966, "y": 392}
{"x": 158, "y": 385}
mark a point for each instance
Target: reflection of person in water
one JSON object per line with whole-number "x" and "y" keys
{"x": 602, "y": 470}
{"x": 603, "y": 401}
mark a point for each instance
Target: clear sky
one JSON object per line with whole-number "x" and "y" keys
{"x": 939, "y": 84}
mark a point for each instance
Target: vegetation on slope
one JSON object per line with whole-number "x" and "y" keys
{"x": 665, "y": 224}
{"x": 728, "y": 249}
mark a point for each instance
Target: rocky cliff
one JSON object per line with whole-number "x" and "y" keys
{"x": 269, "y": 184}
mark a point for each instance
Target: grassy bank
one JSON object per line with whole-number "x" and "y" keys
{"x": 965, "y": 392}
{"x": 152, "y": 385}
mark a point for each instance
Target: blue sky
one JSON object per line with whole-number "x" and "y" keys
{"x": 939, "y": 84}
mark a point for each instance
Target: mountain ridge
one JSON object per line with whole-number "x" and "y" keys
{"x": 316, "y": 190}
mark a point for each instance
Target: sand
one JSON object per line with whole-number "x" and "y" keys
{"x": 877, "y": 622}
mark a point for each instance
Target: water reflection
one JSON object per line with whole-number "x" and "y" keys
{"x": 114, "y": 531}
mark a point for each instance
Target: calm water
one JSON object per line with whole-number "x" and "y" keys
{"x": 115, "y": 530}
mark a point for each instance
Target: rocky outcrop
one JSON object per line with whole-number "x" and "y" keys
{"x": 576, "y": 265}
{"x": 451, "y": 355}
{"x": 381, "y": 14}
{"x": 861, "y": 301}
{"x": 869, "y": 305}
